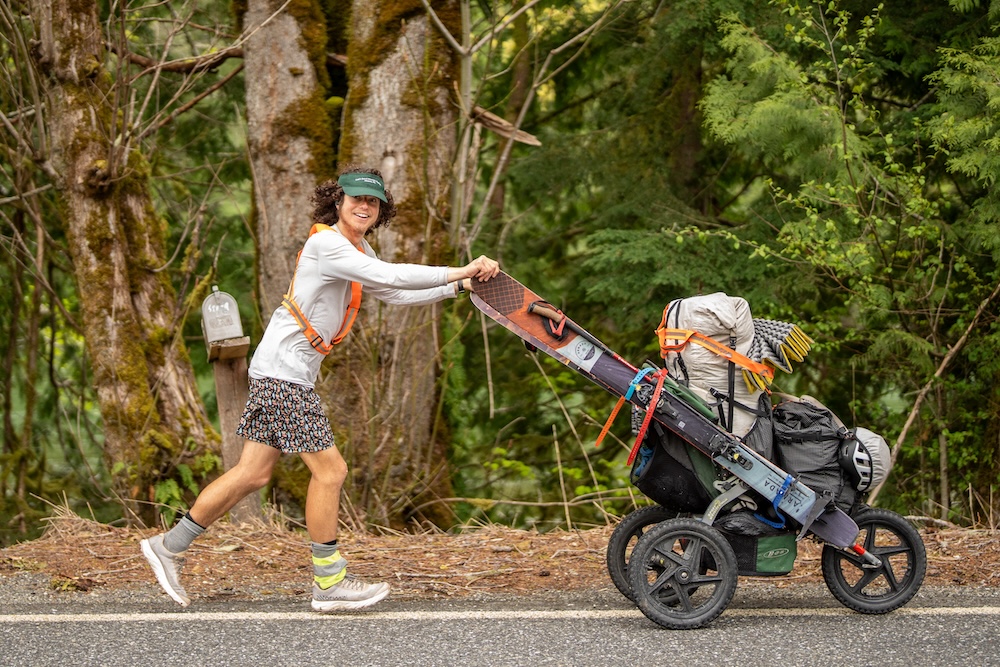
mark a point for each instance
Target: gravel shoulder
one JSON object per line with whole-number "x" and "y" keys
{"x": 79, "y": 560}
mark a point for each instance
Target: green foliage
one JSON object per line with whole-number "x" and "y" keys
{"x": 833, "y": 163}
{"x": 891, "y": 246}
{"x": 791, "y": 153}
{"x": 186, "y": 127}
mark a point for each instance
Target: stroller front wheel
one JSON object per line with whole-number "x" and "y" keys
{"x": 877, "y": 590}
{"x": 682, "y": 573}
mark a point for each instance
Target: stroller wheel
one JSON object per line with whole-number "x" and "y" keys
{"x": 623, "y": 540}
{"x": 682, "y": 573}
{"x": 896, "y": 543}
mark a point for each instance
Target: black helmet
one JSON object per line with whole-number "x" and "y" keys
{"x": 856, "y": 462}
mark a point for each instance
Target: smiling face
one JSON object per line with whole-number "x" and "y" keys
{"x": 357, "y": 215}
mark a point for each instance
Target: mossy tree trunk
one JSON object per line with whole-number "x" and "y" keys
{"x": 290, "y": 132}
{"x": 291, "y": 138}
{"x": 152, "y": 414}
{"x": 399, "y": 116}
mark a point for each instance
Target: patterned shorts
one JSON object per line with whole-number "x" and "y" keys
{"x": 286, "y": 416}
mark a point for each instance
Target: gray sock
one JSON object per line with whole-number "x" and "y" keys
{"x": 324, "y": 550}
{"x": 328, "y": 565}
{"x": 180, "y": 537}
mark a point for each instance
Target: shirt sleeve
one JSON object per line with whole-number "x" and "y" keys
{"x": 339, "y": 260}
{"x": 413, "y": 297}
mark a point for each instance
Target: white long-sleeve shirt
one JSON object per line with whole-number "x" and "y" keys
{"x": 327, "y": 266}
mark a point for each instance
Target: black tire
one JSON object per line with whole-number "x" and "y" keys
{"x": 624, "y": 538}
{"x": 674, "y": 576}
{"x": 894, "y": 541}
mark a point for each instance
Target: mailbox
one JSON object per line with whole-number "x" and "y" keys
{"x": 220, "y": 317}
{"x": 221, "y": 326}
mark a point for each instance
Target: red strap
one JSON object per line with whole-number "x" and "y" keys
{"x": 661, "y": 376}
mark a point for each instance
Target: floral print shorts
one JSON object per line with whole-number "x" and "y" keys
{"x": 286, "y": 416}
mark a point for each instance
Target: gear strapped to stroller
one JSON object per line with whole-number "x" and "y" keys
{"x": 735, "y": 482}
{"x": 800, "y": 434}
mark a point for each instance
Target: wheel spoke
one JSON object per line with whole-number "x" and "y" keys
{"x": 890, "y": 576}
{"x": 676, "y": 559}
{"x": 703, "y": 579}
{"x": 692, "y": 551}
{"x": 892, "y": 551}
{"x": 851, "y": 558}
{"x": 867, "y": 577}
{"x": 684, "y": 598}
{"x": 663, "y": 580}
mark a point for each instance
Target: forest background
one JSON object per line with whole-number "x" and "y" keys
{"x": 832, "y": 162}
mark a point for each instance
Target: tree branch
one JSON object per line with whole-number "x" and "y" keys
{"x": 952, "y": 353}
{"x": 208, "y": 61}
{"x": 187, "y": 106}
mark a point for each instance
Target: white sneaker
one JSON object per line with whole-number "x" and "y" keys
{"x": 349, "y": 593}
{"x": 167, "y": 568}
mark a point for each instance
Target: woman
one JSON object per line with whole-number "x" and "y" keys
{"x": 283, "y": 413}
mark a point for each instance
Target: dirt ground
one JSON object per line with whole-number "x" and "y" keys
{"x": 264, "y": 559}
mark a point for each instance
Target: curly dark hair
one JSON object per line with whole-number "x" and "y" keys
{"x": 327, "y": 196}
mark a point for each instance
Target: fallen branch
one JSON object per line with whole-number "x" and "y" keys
{"x": 931, "y": 521}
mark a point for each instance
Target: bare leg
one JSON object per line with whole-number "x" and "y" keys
{"x": 323, "y": 496}
{"x": 251, "y": 474}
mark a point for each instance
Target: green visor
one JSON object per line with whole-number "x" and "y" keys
{"x": 363, "y": 185}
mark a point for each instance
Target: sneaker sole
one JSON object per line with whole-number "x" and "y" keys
{"x": 161, "y": 576}
{"x": 348, "y": 605}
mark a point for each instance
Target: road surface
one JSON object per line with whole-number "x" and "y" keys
{"x": 769, "y": 622}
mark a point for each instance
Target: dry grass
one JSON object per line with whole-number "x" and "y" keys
{"x": 264, "y": 558}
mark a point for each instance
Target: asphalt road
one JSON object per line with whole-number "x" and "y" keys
{"x": 766, "y": 624}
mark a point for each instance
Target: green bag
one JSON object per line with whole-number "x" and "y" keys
{"x": 764, "y": 555}
{"x": 761, "y": 550}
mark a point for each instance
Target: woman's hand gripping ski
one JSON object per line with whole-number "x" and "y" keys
{"x": 481, "y": 269}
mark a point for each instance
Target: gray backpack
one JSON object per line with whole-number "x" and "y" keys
{"x": 812, "y": 444}
{"x": 807, "y": 443}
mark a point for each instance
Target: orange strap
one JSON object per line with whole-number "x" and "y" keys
{"x": 611, "y": 419}
{"x": 686, "y": 336}
{"x": 307, "y": 328}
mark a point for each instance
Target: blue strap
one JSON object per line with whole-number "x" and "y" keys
{"x": 634, "y": 384}
{"x": 778, "y": 497}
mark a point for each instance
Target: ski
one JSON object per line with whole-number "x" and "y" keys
{"x": 543, "y": 327}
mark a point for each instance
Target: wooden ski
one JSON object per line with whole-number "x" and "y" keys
{"x": 542, "y": 326}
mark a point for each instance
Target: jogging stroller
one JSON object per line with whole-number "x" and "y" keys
{"x": 728, "y": 474}
{"x": 679, "y": 559}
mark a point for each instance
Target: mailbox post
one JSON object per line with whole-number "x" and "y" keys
{"x": 227, "y": 350}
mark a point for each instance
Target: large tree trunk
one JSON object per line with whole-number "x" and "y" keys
{"x": 399, "y": 117}
{"x": 291, "y": 151}
{"x": 152, "y": 413}
{"x": 290, "y": 133}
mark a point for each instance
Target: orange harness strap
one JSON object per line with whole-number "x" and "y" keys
{"x": 307, "y": 328}
{"x": 685, "y": 336}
